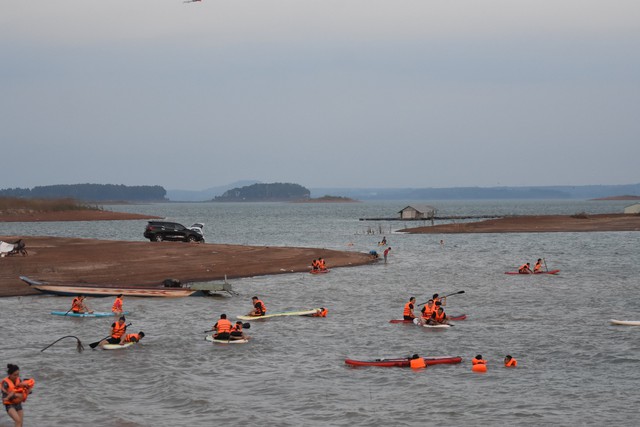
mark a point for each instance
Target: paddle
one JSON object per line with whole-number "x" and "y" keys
{"x": 545, "y": 264}
{"x": 455, "y": 293}
{"x": 95, "y": 344}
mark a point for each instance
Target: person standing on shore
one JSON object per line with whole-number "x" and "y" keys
{"x": 386, "y": 253}
{"x": 117, "y": 306}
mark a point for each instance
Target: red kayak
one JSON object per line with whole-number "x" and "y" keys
{"x": 456, "y": 318}
{"x": 403, "y": 362}
{"x": 529, "y": 274}
{"x": 319, "y": 271}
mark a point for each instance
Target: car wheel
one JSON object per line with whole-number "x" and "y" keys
{"x": 191, "y": 239}
{"x": 158, "y": 238}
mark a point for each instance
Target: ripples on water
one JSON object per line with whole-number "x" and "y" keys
{"x": 574, "y": 368}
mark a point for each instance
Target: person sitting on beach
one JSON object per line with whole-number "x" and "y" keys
{"x": 236, "y": 332}
{"x": 78, "y": 305}
{"x": 525, "y": 269}
{"x": 132, "y": 337}
{"x": 259, "y": 309}
{"x": 117, "y": 305}
{"x": 408, "y": 309}
{"x": 373, "y": 254}
{"x": 538, "y": 267}
{"x": 223, "y": 328}
{"x": 510, "y": 362}
{"x": 438, "y": 317}
{"x": 118, "y": 330}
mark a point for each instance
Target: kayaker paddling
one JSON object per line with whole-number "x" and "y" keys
{"x": 78, "y": 305}
{"x": 408, "y": 309}
{"x": 223, "y": 328}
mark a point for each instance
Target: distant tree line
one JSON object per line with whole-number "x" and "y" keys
{"x": 91, "y": 192}
{"x": 265, "y": 193}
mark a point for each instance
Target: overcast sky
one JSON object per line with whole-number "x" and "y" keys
{"x": 323, "y": 93}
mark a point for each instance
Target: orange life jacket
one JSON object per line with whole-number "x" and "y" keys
{"x": 314, "y": 264}
{"x": 523, "y": 268}
{"x": 428, "y": 311}
{"x": 132, "y": 338}
{"x": 439, "y": 317}
{"x": 118, "y": 329}
{"x": 76, "y": 305}
{"x": 223, "y": 326}
{"x": 511, "y": 363}
{"x": 537, "y": 267}
{"x": 321, "y": 313}
{"x": 417, "y": 363}
{"x": 237, "y": 327}
{"x": 321, "y": 264}
{"x": 408, "y": 309}
{"x": 261, "y": 309}
{"x": 25, "y": 388}
{"x": 7, "y": 388}
{"x": 117, "y": 305}
{"x": 478, "y": 361}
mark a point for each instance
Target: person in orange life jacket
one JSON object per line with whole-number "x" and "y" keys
{"x": 525, "y": 269}
{"x": 14, "y": 392}
{"x": 321, "y": 264}
{"x": 417, "y": 362}
{"x": 236, "y": 331}
{"x": 118, "y": 329}
{"x": 314, "y": 264}
{"x": 478, "y": 360}
{"x": 132, "y": 337}
{"x": 428, "y": 310}
{"x": 320, "y": 312}
{"x": 223, "y": 328}
{"x": 439, "y": 301}
{"x": 510, "y": 362}
{"x": 117, "y": 305}
{"x": 78, "y": 305}
{"x": 259, "y": 309}
{"x": 408, "y": 309}
{"x": 538, "y": 267}
{"x": 438, "y": 317}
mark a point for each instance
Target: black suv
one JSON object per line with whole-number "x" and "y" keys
{"x": 157, "y": 231}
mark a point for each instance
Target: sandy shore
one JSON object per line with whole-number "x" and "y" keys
{"x": 78, "y": 215}
{"x": 72, "y": 260}
{"x": 538, "y": 224}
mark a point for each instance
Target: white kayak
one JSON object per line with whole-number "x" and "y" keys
{"x": 282, "y": 313}
{"x": 211, "y": 339}
{"x": 117, "y": 346}
{"x": 440, "y": 325}
{"x": 625, "y": 322}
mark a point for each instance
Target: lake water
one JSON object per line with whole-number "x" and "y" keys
{"x": 574, "y": 367}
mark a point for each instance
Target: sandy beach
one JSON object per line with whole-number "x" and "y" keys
{"x": 538, "y": 224}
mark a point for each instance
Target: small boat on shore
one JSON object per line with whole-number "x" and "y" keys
{"x": 109, "y": 290}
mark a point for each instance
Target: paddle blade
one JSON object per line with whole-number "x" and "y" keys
{"x": 246, "y": 325}
{"x": 95, "y": 344}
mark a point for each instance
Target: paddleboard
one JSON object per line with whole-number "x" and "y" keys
{"x": 211, "y": 339}
{"x": 625, "y": 322}
{"x": 117, "y": 346}
{"x": 456, "y": 318}
{"x": 528, "y": 274}
{"x": 94, "y": 314}
{"x": 417, "y": 322}
{"x": 319, "y": 271}
{"x": 283, "y": 313}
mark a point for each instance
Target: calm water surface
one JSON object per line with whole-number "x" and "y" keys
{"x": 574, "y": 368}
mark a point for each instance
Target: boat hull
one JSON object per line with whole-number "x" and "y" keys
{"x": 534, "y": 274}
{"x": 94, "y": 314}
{"x": 455, "y": 318}
{"x": 404, "y": 362}
{"x": 625, "y": 322}
{"x": 106, "y": 291}
{"x": 308, "y": 312}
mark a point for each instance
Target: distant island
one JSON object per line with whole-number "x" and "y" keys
{"x": 625, "y": 197}
{"x": 328, "y": 199}
{"x": 275, "y": 192}
{"x": 91, "y": 193}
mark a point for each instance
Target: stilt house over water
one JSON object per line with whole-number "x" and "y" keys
{"x": 418, "y": 212}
